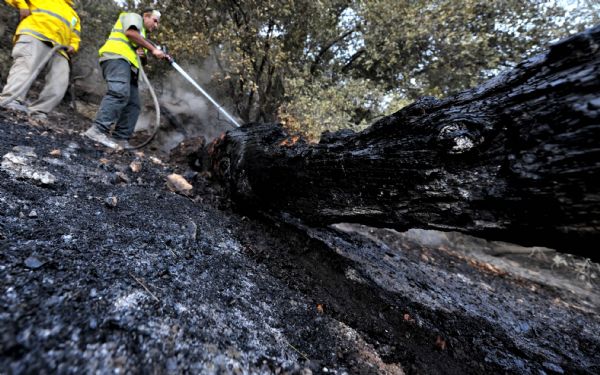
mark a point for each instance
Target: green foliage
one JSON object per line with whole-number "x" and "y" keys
{"x": 440, "y": 47}
{"x": 320, "y": 65}
{"x": 97, "y": 19}
{"x": 352, "y": 104}
{"x": 328, "y": 64}
{"x": 256, "y": 45}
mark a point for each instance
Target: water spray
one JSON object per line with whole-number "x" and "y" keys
{"x": 171, "y": 61}
{"x": 199, "y": 88}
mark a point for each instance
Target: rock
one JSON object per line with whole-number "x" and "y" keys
{"x": 553, "y": 368}
{"x": 33, "y": 214}
{"x": 121, "y": 177}
{"x": 192, "y": 230}
{"x": 111, "y": 201}
{"x": 135, "y": 166}
{"x": 19, "y": 164}
{"x": 44, "y": 177}
{"x": 178, "y": 184}
{"x": 33, "y": 263}
{"x": 155, "y": 160}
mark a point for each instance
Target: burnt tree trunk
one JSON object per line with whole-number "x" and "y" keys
{"x": 516, "y": 158}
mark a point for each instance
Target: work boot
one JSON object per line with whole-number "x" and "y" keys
{"x": 123, "y": 143}
{"x": 40, "y": 116}
{"x": 16, "y": 106}
{"x": 97, "y": 136}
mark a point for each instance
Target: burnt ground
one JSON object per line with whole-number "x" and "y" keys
{"x": 104, "y": 269}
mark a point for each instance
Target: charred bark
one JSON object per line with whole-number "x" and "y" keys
{"x": 516, "y": 158}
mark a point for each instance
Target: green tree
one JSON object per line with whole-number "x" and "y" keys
{"x": 341, "y": 63}
{"x": 256, "y": 45}
{"x": 97, "y": 19}
{"x": 440, "y": 47}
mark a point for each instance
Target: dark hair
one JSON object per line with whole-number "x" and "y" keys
{"x": 147, "y": 10}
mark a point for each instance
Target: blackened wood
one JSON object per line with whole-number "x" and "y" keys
{"x": 516, "y": 158}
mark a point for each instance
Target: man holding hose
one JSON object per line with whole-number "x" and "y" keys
{"x": 119, "y": 59}
{"x": 44, "y": 25}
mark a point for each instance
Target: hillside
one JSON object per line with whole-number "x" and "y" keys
{"x": 105, "y": 269}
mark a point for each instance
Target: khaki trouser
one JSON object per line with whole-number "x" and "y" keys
{"x": 27, "y": 53}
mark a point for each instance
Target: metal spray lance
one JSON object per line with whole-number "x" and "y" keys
{"x": 171, "y": 61}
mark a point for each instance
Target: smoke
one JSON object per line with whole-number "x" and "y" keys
{"x": 185, "y": 113}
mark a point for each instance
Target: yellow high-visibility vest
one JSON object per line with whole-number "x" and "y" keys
{"x": 118, "y": 43}
{"x": 51, "y": 21}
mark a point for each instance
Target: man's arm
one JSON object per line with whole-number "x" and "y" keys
{"x": 22, "y": 6}
{"x": 137, "y": 38}
{"x": 133, "y": 23}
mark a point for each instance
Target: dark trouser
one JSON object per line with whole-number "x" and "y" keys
{"x": 121, "y": 104}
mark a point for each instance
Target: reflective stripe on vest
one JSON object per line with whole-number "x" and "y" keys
{"x": 38, "y": 35}
{"x": 118, "y": 43}
{"x": 51, "y": 21}
{"x": 58, "y": 16}
{"x": 53, "y": 15}
{"x": 123, "y": 41}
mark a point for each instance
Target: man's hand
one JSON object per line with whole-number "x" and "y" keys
{"x": 24, "y": 13}
{"x": 159, "y": 54}
{"x": 70, "y": 51}
{"x": 134, "y": 36}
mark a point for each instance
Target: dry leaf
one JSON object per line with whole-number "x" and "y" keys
{"x": 320, "y": 308}
{"x": 56, "y": 152}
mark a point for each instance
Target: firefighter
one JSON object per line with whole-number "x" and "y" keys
{"x": 43, "y": 26}
{"x": 120, "y": 59}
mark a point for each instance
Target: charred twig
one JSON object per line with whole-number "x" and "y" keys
{"x": 296, "y": 350}
{"x": 145, "y": 287}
